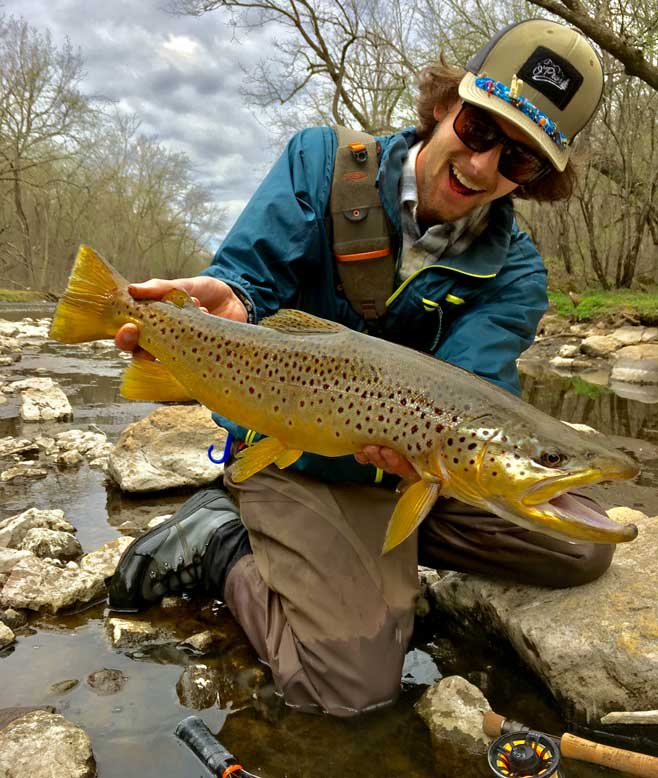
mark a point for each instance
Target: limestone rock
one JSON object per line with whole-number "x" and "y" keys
{"x": 452, "y": 709}
{"x": 131, "y": 633}
{"x": 6, "y": 635}
{"x": 13, "y": 619}
{"x": 39, "y": 585}
{"x": 599, "y": 345}
{"x": 631, "y": 336}
{"x": 52, "y": 543}
{"x": 18, "y": 447}
{"x": 10, "y": 557}
{"x": 633, "y": 717}
{"x": 166, "y": 449}
{"x": 569, "y": 350}
{"x": 46, "y": 745}
{"x": 636, "y": 364}
{"x": 595, "y": 646}
{"x": 14, "y": 529}
{"x": 103, "y": 562}
{"x": 200, "y": 642}
{"x": 23, "y": 471}
{"x": 42, "y": 400}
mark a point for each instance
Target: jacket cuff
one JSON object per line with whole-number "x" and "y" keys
{"x": 246, "y": 300}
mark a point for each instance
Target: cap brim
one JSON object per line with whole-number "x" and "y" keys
{"x": 473, "y": 94}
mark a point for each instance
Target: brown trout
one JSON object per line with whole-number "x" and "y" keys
{"x": 314, "y": 385}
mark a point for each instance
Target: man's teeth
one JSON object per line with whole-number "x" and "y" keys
{"x": 464, "y": 181}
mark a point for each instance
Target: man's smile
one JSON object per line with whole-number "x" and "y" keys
{"x": 462, "y": 184}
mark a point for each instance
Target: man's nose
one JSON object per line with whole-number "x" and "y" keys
{"x": 485, "y": 163}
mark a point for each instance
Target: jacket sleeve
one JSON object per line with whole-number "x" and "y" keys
{"x": 279, "y": 234}
{"x": 502, "y": 323}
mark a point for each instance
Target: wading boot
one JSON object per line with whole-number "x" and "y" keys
{"x": 194, "y": 549}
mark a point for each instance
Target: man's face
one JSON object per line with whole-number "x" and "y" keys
{"x": 453, "y": 180}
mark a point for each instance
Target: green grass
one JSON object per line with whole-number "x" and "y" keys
{"x": 20, "y": 296}
{"x": 642, "y": 306}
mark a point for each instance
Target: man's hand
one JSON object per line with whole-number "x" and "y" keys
{"x": 210, "y": 294}
{"x": 388, "y": 460}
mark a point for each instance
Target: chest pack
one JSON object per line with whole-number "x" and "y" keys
{"x": 361, "y": 237}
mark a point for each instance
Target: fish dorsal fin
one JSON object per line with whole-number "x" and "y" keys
{"x": 178, "y": 297}
{"x": 300, "y": 323}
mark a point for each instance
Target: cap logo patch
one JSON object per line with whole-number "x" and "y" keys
{"x": 552, "y": 76}
{"x": 548, "y": 71}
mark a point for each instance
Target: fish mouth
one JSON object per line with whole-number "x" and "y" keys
{"x": 549, "y": 508}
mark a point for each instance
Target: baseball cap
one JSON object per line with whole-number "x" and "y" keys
{"x": 542, "y": 76}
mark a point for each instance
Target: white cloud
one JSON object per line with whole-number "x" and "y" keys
{"x": 180, "y": 75}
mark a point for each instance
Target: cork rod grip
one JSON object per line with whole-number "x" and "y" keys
{"x": 628, "y": 762}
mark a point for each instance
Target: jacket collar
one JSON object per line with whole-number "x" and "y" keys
{"x": 487, "y": 254}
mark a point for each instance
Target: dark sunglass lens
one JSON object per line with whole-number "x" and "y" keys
{"x": 520, "y": 165}
{"x": 475, "y": 130}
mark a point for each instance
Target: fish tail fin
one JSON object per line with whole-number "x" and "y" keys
{"x": 144, "y": 379}
{"x": 85, "y": 312}
{"x": 410, "y": 510}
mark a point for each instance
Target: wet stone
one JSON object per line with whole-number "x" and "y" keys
{"x": 7, "y": 636}
{"x": 22, "y": 471}
{"x": 52, "y": 543}
{"x": 14, "y": 529}
{"x": 130, "y": 633}
{"x": 200, "y": 642}
{"x": 106, "y": 681}
{"x": 13, "y": 618}
{"x": 62, "y": 687}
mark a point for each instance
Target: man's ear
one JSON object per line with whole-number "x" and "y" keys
{"x": 441, "y": 110}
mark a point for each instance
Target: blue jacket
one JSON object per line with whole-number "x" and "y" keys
{"x": 278, "y": 255}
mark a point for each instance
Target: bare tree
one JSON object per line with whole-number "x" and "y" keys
{"x": 41, "y": 111}
{"x": 626, "y": 29}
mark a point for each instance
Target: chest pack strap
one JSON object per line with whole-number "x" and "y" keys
{"x": 361, "y": 240}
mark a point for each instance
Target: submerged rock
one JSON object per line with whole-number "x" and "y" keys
{"x": 167, "y": 449}
{"x": 106, "y": 681}
{"x": 131, "y": 633}
{"x": 595, "y": 646}
{"x": 44, "y": 745}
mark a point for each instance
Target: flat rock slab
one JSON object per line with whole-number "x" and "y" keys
{"x": 595, "y": 646}
{"x": 46, "y": 745}
{"x": 167, "y": 449}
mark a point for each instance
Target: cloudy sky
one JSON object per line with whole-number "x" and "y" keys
{"x": 179, "y": 75}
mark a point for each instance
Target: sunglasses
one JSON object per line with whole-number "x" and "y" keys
{"x": 518, "y": 163}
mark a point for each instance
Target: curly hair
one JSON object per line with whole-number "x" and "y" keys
{"x": 438, "y": 84}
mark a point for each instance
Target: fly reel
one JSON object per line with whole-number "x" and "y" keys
{"x": 524, "y": 755}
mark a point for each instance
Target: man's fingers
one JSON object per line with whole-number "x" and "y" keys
{"x": 127, "y": 337}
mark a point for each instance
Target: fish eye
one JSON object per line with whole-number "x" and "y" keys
{"x": 552, "y": 458}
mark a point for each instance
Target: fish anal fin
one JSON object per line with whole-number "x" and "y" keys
{"x": 152, "y": 381}
{"x": 289, "y": 457}
{"x": 300, "y": 323}
{"x": 253, "y": 459}
{"x": 178, "y": 297}
{"x": 410, "y": 510}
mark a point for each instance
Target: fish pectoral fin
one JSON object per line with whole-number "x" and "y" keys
{"x": 410, "y": 510}
{"x": 152, "y": 381}
{"x": 178, "y": 297}
{"x": 300, "y": 323}
{"x": 253, "y": 459}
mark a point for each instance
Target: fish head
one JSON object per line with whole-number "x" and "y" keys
{"x": 524, "y": 472}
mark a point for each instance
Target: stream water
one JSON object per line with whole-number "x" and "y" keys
{"x": 131, "y": 730}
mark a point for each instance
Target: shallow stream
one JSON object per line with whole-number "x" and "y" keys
{"x": 131, "y": 730}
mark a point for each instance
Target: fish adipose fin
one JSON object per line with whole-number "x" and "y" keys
{"x": 147, "y": 380}
{"x": 410, "y": 510}
{"x": 300, "y": 323}
{"x": 84, "y": 312}
{"x": 255, "y": 458}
